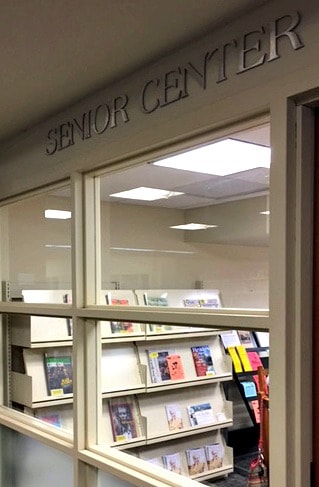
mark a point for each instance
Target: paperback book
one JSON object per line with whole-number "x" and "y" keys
{"x": 59, "y": 374}
{"x": 54, "y": 419}
{"x": 175, "y": 367}
{"x": 121, "y": 327}
{"x": 214, "y": 455}
{"x": 158, "y": 365}
{"x": 246, "y": 338}
{"x": 172, "y": 462}
{"x": 201, "y": 414}
{"x": 174, "y": 417}
{"x": 196, "y": 461}
{"x": 123, "y": 419}
{"x": 157, "y": 301}
{"x": 203, "y": 361}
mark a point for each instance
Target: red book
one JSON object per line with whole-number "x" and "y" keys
{"x": 175, "y": 367}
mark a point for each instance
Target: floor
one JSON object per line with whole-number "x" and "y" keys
{"x": 236, "y": 479}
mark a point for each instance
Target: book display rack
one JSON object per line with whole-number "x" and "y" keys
{"x": 164, "y": 400}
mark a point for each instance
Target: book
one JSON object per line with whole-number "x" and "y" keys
{"x": 214, "y": 455}
{"x": 121, "y": 327}
{"x": 201, "y": 414}
{"x": 255, "y": 408}
{"x": 158, "y": 365}
{"x": 230, "y": 338}
{"x": 196, "y": 460}
{"x": 175, "y": 367}
{"x": 59, "y": 374}
{"x": 235, "y": 359}
{"x": 249, "y": 388}
{"x": 191, "y": 303}
{"x": 262, "y": 338}
{"x": 67, "y": 299}
{"x": 174, "y": 417}
{"x": 54, "y": 419}
{"x": 172, "y": 462}
{"x": 123, "y": 419}
{"x": 246, "y": 338}
{"x": 254, "y": 360}
{"x": 242, "y": 353}
{"x": 156, "y": 301}
{"x": 209, "y": 303}
{"x": 203, "y": 361}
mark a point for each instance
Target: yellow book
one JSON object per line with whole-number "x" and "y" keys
{"x": 242, "y": 352}
{"x": 236, "y": 362}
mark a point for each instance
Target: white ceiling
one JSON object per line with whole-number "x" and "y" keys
{"x": 54, "y": 53}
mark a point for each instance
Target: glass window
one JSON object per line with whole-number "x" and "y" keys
{"x": 198, "y": 220}
{"x": 36, "y": 245}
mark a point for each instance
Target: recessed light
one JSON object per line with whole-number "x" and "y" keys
{"x": 57, "y": 214}
{"x": 228, "y": 156}
{"x": 193, "y": 226}
{"x": 146, "y": 194}
{"x": 266, "y": 212}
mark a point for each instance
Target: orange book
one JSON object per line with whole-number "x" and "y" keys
{"x": 175, "y": 367}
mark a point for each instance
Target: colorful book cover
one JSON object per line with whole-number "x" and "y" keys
{"x": 158, "y": 365}
{"x": 174, "y": 417}
{"x": 156, "y": 301}
{"x": 59, "y": 373}
{"x": 249, "y": 387}
{"x": 254, "y": 360}
{"x": 54, "y": 419}
{"x": 201, "y": 414}
{"x": 175, "y": 367}
{"x": 172, "y": 462}
{"x": 235, "y": 358}
{"x": 123, "y": 421}
{"x": 214, "y": 455}
{"x": 121, "y": 327}
{"x": 203, "y": 361}
{"x": 242, "y": 353}
{"x": 196, "y": 461}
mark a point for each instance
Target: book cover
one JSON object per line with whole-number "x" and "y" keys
{"x": 209, "y": 303}
{"x": 203, "y": 361}
{"x": 156, "y": 301}
{"x": 254, "y": 360}
{"x": 54, "y": 419}
{"x": 196, "y": 460}
{"x": 121, "y": 327}
{"x": 201, "y": 414}
{"x": 191, "y": 303}
{"x": 255, "y": 408}
{"x": 158, "y": 365}
{"x": 214, "y": 455}
{"x": 67, "y": 299}
{"x": 123, "y": 420}
{"x": 235, "y": 358}
{"x": 230, "y": 338}
{"x": 242, "y": 353}
{"x": 175, "y": 367}
{"x": 172, "y": 462}
{"x": 174, "y": 417}
{"x": 249, "y": 388}
{"x": 59, "y": 374}
{"x": 246, "y": 338}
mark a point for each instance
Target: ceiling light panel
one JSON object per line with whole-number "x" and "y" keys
{"x": 146, "y": 194}
{"x": 222, "y": 158}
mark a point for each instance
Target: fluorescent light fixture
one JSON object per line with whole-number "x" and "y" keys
{"x": 131, "y": 249}
{"x": 57, "y": 246}
{"x": 266, "y": 212}
{"x": 57, "y": 214}
{"x": 193, "y": 226}
{"x": 228, "y": 156}
{"x": 146, "y": 194}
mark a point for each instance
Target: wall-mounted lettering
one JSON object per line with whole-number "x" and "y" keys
{"x": 253, "y": 49}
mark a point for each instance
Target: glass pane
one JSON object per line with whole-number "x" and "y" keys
{"x": 41, "y": 374}
{"x": 28, "y": 463}
{"x": 36, "y": 247}
{"x": 220, "y": 256}
{"x": 183, "y": 399}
